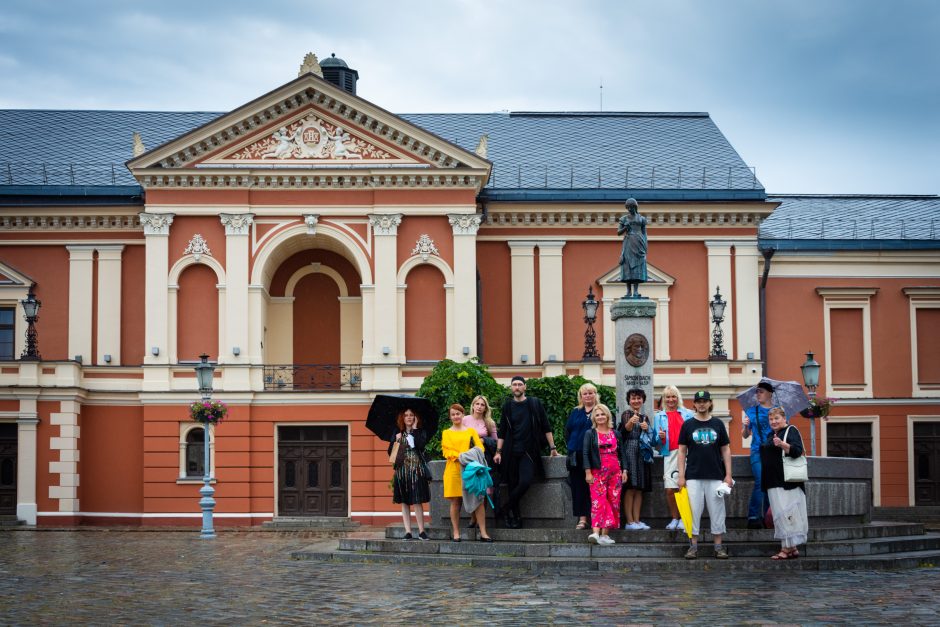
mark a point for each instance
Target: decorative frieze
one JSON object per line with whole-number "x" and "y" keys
{"x": 311, "y": 219}
{"x": 609, "y": 219}
{"x": 197, "y": 247}
{"x": 71, "y": 223}
{"x": 156, "y": 223}
{"x": 425, "y": 247}
{"x": 236, "y": 223}
{"x": 465, "y": 224}
{"x": 385, "y": 223}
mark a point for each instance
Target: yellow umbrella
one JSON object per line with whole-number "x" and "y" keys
{"x": 685, "y": 510}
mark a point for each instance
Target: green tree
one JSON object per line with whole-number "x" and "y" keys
{"x": 559, "y": 395}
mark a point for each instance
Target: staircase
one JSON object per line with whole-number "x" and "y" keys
{"x": 311, "y": 523}
{"x": 872, "y": 546}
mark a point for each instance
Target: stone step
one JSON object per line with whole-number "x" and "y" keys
{"x": 897, "y": 561}
{"x": 11, "y": 521}
{"x": 821, "y": 534}
{"x": 673, "y": 549}
{"x": 330, "y": 523}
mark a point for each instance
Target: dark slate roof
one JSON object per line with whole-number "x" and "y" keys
{"x": 607, "y": 154}
{"x": 828, "y": 222}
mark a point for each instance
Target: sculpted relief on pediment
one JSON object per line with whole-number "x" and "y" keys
{"x": 311, "y": 139}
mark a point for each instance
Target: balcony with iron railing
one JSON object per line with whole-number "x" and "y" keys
{"x": 312, "y": 377}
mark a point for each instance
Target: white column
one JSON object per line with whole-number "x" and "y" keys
{"x": 237, "y": 227}
{"x": 719, "y": 275}
{"x": 522, "y": 275}
{"x": 66, "y": 491}
{"x": 464, "y": 320}
{"x": 81, "y": 264}
{"x": 368, "y": 322}
{"x": 661, "y": 324}
{"x": 26, "y": 461}
{"x": 551, "y": 307}
{"x": 747, "y": 299}
{"x": 109, "y": 304}
{"x": 385, "y": 318}
{"x": 256, "y": 323}
{"x": 156, "y": 232}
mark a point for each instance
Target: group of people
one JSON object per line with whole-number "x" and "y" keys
{"x": 610, "y": 466}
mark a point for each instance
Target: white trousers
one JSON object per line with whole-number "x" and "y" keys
{"x": 702, "y": 493}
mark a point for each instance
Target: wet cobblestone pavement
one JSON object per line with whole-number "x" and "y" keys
{"x": 171, "y": 578}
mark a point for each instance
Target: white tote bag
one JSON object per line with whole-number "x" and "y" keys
{"x": 794, "y": 468}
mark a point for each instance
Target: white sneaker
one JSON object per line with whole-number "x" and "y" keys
{"x": 681, "y": 526}
{"x": 605, "y": 540}
{"x": 673, "y": 525}
{"x": 632, "y": 527}
{"x": 594, "y": 539}
{"x": 642, "y": 525}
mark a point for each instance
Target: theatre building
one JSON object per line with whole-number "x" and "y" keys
{"x": 321, "y": 250}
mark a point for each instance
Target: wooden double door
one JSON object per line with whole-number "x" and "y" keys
{"x": 927, "y": 463}
{"x": 8, "y": 448}
{"x": 313, "y": 471}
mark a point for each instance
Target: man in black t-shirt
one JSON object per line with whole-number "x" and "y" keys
{"x": 521, "y": 429}
{"x": 704, "y": 464}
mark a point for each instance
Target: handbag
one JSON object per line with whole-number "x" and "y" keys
{"x": 393, "y": 456}
{"x": 571, "y": 462}
{"x": 794, "y": 468}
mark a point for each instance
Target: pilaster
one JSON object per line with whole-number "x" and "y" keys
{"x": 109, "y": 305}
{"x": 26, "y": 461}
{"x": 81, "y": 264}
{"x": 747, "y": 299}
{"x": 464, "y": 294}
{"x": 551, "y": 310}
{"x": 65, "y": 491}
{"x": 522, "y": 276}
{"x": 237, "y": 228}
{"x": 156, "y": 234}
{"x": 385, "y": 319}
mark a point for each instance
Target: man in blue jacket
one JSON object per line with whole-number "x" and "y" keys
{"x": 757, "y": 427}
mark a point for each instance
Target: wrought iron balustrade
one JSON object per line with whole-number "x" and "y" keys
{"x": 312, "y": 377}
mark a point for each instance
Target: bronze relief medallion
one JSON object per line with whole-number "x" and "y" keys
{"x": 636, "y": 349}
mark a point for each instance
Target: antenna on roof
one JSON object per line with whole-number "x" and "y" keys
{"x": 602, "y": 93}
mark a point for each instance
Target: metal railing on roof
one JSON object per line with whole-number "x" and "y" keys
{"x": 558, "y": 176}
{"x": 21, "y": 173}
{"x": 850, "y": 229}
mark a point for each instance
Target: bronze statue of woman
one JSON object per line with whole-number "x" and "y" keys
{"x": 633, "y": 254}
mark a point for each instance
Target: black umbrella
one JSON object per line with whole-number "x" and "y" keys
{"x": 385, "y": 409}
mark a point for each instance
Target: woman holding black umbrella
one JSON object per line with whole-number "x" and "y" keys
{"x": 410, "y": 483}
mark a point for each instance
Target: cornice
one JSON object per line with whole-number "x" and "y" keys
{"x": 155, "y": 178}
{"x": 605, "y": 219}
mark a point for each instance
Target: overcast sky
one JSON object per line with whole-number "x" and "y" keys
{"x": 820, "y": 96}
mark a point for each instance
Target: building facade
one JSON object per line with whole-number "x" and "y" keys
{"x": 321, "y": 250}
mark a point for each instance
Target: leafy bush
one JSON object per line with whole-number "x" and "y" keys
{"x": 559, "y": 395}
{"x": 451, "y": 382}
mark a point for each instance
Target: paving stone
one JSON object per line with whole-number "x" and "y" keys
{"x": 170, "y": 578}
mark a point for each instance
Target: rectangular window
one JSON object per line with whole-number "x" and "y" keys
{"x": 849, "y": 439}
{"x": 848, "y": 353}
{"x": 7, "y": 329}
{"x": 928, "y": 346}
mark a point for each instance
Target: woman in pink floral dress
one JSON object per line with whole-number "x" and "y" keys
{"x": 605, "y": 472}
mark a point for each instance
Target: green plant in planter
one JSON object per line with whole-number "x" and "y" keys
{"x": 559, "y": 395}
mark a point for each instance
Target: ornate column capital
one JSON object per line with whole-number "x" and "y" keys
{"x": 465, "y": 223}
{"x": 385, "y": 223}
{"x": 311, "y": 219}
{"x": 156, "y": 223}
{"x": 237, "y": 223}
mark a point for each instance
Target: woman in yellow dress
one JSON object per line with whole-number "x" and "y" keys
{"x": 454, "y": 441}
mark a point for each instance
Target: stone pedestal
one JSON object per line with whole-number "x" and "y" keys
{"x": 633, "y": 349}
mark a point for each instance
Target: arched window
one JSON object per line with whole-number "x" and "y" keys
{"x": 193, "y": 452}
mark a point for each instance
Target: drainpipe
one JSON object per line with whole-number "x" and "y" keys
{"x": 768, "y": 254}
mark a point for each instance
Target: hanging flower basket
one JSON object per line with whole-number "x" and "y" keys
{"x": 208, "y": 411}
{"x": 819, "y": 407}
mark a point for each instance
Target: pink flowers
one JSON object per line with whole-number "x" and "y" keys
{"x": 208, "y": 411}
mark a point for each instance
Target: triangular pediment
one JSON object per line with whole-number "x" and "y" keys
{"x": 309, "y": 122}
{"x": 11, "y": 277}
{"x": 654, "y": 275}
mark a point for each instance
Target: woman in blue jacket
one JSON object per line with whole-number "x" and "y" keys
{"x": 579, "y": 423}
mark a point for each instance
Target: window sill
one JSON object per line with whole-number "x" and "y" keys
{"x": 193, "y": 480}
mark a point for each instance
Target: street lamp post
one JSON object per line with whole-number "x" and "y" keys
{"x": 204, "y": 372}
{"x": 810, "y": 370}
{"x": 590, "y": 315}
{"x": 31, "y": 314}
{"x": 717, "y": 306}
